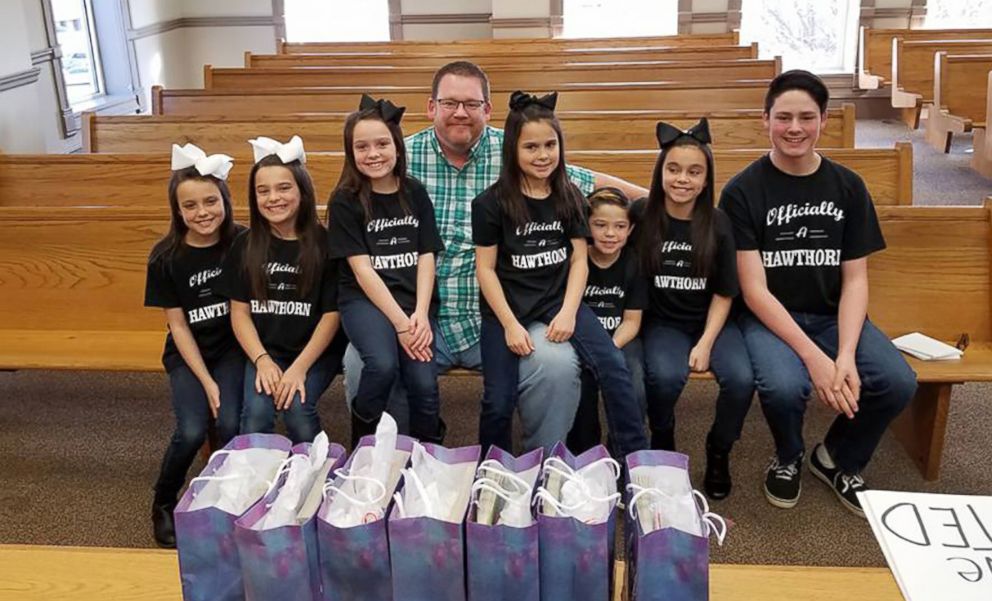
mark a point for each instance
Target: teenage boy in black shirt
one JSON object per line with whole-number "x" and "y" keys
{"x": 804, "y": 227}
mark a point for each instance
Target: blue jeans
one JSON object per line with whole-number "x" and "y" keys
{"x": 666, "y": 367}
{"x": 888, "y": 384}
{"x": 500, "y": 371}
{"x": 551, "y": 371}
{"x": 385, "y": 364}
{"x": 301, "y": 419}
{"x": 586, "y": 432}
{"x": 189, "y": 403}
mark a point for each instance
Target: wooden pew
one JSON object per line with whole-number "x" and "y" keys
{"x": 140, "y": 180}
{"x": 959, "y": 96}
{"x": 875, "y": 49}
{"x": 71, "y": 284}
{"x": 981, "y": 158}
{"x": 518, "y": 56}
{"x": 912, "y": 71}
{"x": 573, "y": 97}
{"x": 606, "y": 130}
{"x": 517, "y": 76}
{"x": 536, "y": 44}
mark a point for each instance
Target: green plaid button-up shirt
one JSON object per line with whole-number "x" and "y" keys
{"x": 452, "y": 191}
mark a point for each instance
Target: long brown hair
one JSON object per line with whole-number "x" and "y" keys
{"x": 567, "y": 198}
{"x": 356, "y": 182}
{"x": 174, "y": 241}
{"x": 311, "y": 236}
{"x": 654, "y": 224}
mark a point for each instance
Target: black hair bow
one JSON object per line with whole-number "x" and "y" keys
{"x": 667, "y": 133}
{"x": 389, "y": 111}
{"x": 521, "y": 100}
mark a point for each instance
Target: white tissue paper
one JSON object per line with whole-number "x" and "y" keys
{"x": 588, "y": 494}
{"x": 502, "y": 496}
{"x": 361, "y": 495}
{"x": 239, "y": 481}
{"x": 299, "y": 493}
{"x": 433, "y": 488}
{"x": 668, "y": 499}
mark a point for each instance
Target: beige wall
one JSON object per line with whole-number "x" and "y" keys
{"x": 19, "y": 114}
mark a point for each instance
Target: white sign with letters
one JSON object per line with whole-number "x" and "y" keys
{"x": 939, "y": 547}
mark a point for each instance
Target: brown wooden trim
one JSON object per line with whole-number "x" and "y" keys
{"x": 444, "y": 18}
{"x": 208, "y": 76}
{"x": 905, "y": 150}
{"x": 849, "y": 140}
{"x": 520, "y": 23}
{"x": 157, "y": 100}
{"x": 86, "y": 126}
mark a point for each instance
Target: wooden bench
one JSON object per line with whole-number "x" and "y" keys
{"x": 536, "y": 44}
{"x": 601, "y": 130}
{"x": 875, "y": 49}
{"x": 518, "y": 56}
{"x": 981, "y": 158}
{"x": 517, "y": 76}
{"x": 912, "y": 71}
{"x": 960, "y": 96}
{"x": 97, "y": 180}
{"x": 573, "y": 97}
{"x": 49, "y": 573}
{"x": 71, "y": 285}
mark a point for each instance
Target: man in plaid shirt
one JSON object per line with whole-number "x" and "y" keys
{"x": 456, "y": 160}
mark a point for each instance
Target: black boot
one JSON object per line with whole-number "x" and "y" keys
{"x": 663, "y": 440}
{"x": 717, "y": 483}
{"x": 163, "y": 525}
{"x": 438, "y": 437}
{"x": 360, "y": 428}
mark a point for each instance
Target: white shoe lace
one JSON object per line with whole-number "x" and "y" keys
{"x": 784, "y": 472}
{"x": 851, "y": 482}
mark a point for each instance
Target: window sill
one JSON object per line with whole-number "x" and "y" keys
{"x": 119, "y": 104}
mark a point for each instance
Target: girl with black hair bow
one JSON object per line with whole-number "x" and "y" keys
{"x": 530, "y": 233}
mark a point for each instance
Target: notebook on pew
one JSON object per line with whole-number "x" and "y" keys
{"x": 926, "y": 348}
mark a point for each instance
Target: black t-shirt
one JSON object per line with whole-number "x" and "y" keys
{"x": 618, "y": 288}
{"x": 185, "y": 280}
{"x": 393, "y": 240}
{"x": 532, "y": 261}
{"x": 804, "y": 227}
{"x": 286, "y": 320}
{"x": 676, "y": 293}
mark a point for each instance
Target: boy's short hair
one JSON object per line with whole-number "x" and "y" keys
{"x": 608, "y": 195}
{"x": 798, "y": 79}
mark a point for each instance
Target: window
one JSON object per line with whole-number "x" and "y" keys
{"x": 958, "y": 14}
{"x": 619, "y": 18}
{"x": 80, "y": 60}
{"x": 816, "y": 35}
{"x": 337, "y": 20}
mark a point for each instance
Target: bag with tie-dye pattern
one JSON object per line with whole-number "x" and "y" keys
{"x": 668, "y": 526}
{"x": 277, "y": 538}
{"x": 426, "y": 524}
{"x": 501, "y": 532}
{"x": 232, "y": 481}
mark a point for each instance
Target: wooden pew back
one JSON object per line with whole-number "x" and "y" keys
{"x": 614, "y": 130}
{"x": 543, "y": 44}
{"x": 913, "y": 61}
{"x": 573, "y": 97}
{"x": 981, "y": 158}
{"x": 958, "y": 84}
{"x": 96, "y": 179}
{"x": 522, "y": 77}
{"x": 519, "y": 56}
{"x": 875, "y": 56}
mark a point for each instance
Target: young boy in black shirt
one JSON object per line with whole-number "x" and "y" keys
{"x": 804, "y": 227}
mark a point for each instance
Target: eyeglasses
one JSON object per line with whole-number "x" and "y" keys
{"x": 452, "y": 105}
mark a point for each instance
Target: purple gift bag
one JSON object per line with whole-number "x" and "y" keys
{"x": 209, "y": 566}
{"x": 354, "y": 562}
{"x": 502, "y": 560}
{"x": 427, "y": 555}
{"x": 282, "y": 563}
{"x": 667, "y": 564}
{"x": 576, "y": 558}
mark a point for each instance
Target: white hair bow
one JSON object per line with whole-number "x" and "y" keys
{"x": 287, "y": 153}
{"x": 217, "y": 165}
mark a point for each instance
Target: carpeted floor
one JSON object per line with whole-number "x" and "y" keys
{"x": 80, "y": 451}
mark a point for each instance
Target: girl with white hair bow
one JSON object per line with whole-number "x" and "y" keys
{"x": 283, "y": 293}
{"x": 202, "y": 357}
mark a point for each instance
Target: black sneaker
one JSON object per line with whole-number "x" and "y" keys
{"x": 845, "y": 486}
{"x": 783, "y": 482}
{"x": 717, "y": 482}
